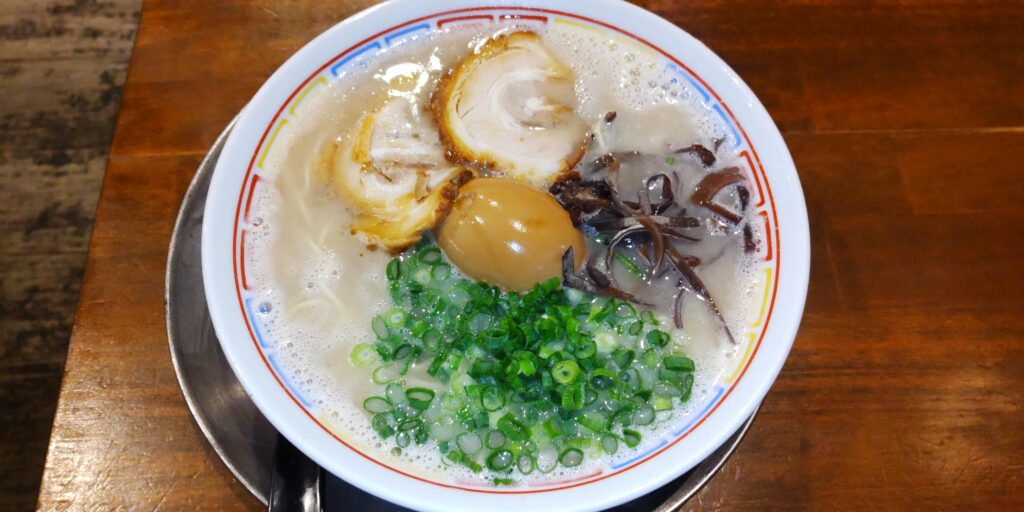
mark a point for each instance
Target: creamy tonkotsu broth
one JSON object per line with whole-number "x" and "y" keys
{"x": 320, "y": 285}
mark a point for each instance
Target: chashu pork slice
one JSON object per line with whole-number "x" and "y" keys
{"x": 510, "y": 107}
{"x": 393, "y": 173}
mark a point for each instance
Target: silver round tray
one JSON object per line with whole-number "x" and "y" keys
{"x": 236, "y": 430}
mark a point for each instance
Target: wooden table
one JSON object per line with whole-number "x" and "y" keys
{"x": 905, "y": 385}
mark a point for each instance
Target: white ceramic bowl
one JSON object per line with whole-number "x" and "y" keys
{"x": 777, "y": 197}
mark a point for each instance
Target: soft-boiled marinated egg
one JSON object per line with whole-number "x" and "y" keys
{"x": 508, "y": 233}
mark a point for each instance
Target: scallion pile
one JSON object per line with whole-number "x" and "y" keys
{"x": 514, "y": 382}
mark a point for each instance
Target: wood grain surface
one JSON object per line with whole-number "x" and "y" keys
{"x": 62, "y": 64}
{"x": 905, "y": 384}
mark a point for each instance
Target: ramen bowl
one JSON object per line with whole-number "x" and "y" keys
{"x": 782, "y": 259}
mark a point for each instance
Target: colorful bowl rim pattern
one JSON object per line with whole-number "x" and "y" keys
{"x": 356, "y": 57}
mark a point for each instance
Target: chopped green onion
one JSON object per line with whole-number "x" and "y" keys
{"x": 670, "y": 160}
{"x": 388, "y": 373}
{"x": 422, "y": 434}
{"x": 648, "y": 316}
{"x": 382, "y": 425}
{"x": 526, "y": 367}
{"x": 650, "y": 357}
{"x": 601, "y": 378}
{"x": 459, "y": 383}
{"x": 658, "y": 338}
{"x": 667, "y": 389}
{"x": 435, "y": 368}
{"x": 531, "y": 380}
{"x": 458, "y": 457}
{"x": 635, "y": 328}
{"x": 594, "y": 421}
{"x": 403, "y": 411}
{"x": 599, "y": 314}
{"x": 582, "y": 443}
{"x": 605, "y": 341}
{"x": 403, "y": 351}
{"x": 679, "y": 363}
{"x": 528, "y": 446}
{"x": 459, "y": 297}
{"x": 513, "y": 428}
{"x": 500, "y": 460}
{"x": 410, "y": 424}
{"x": 393, "y": 271}
{"x": 376, "y": 404}
{"x": 631, "y": 437}
{"x": 571, "y": 457}
{"x": 380, "y": 328}
{"x": 673, "y": 377}
{"x": 625, "y": 311}
{"x": 441, "y": 272}
{"x": 431, "y": 340}
{"x": 647, "y": 379}
{"x": 419, "y": 398}
{"x": 573, "y": 397}
{"x": 612, "y": 405}
{"x": 585, "y": 349}
{"x": 395, "y": 393}
{"x": 431, "y": 256}
{"x": 402, "y": 439}
{"x": 547, "y": 459}
{"x": 550, "y": 349}
{"x": 628, "y": 264}
{"x": 644, "y": 415}
{"x": 527, "y": 464}
{"x": 686, "y": 386}
{"x": 623, "y": 357}
{"x": 492, "y": 399}
{"x": 565, "y": 371}
{"x": 422, "y": 276}
{"x": 551, "y": 428}
{"x": 444, "y": 429}
{"x": 451, "y": 402}
{"x": 609, "y": 444}
{"x": 363, "y": 354}
{"x": 469, "y": 442}
{"x": 419, "y": 327}
{"x": 479, "y": 322}
{"x": 661, "y": 403}
{"x": 630, "y": 379}
{"x": 395, "y": 318}
{"x": 495, "y": 439}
